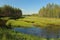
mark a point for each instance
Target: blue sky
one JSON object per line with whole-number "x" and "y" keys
{"x": 28, "y": 6}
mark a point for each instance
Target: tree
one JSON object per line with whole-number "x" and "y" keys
{"x": 8, "y": 11}
{"x": 5, "y": 32}
{"x": 17, "y": 13}
{"x": 51, "y": 10}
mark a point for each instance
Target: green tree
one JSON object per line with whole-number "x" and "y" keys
{"x": 8, "y": 11}
{"x": 11, "y": 12}
{"x": 51, "y": 10}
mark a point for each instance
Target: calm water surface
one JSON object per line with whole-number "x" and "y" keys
{"x": 33, "y": 31}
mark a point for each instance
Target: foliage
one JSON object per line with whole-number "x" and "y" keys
{"x": 8, "y": 11}
{"x": 51, "y": 10}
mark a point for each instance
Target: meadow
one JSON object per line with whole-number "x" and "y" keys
{"x": 34, "y": 21}
{"x": 30, "y": 21}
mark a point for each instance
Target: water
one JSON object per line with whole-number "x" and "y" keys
{"x": 33, "y": 31}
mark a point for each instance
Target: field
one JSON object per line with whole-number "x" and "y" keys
{"x": 31, "y": 21}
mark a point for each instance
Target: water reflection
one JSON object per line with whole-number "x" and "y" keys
{"x": 35, "y": 31}
{"x": 32, "y": 31}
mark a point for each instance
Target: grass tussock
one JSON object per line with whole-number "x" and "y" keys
{"x": 34, "y": 20}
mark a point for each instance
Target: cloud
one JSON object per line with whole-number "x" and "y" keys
{"x": 22, "y": 9}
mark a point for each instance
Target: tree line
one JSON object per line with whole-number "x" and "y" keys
{"x": 9, "y": 11}
{"x": 50, "y": 10}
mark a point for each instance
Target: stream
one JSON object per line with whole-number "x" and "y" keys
{"x": 34, "y": 31}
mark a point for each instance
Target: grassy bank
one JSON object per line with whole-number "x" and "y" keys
{"x": 13, "y": 35}
{"x": 6, "y": 34}
{"x": 34, "y": 20}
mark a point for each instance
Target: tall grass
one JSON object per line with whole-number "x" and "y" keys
{"x": 34, "y": 20}
{"x": 7, "y": 34}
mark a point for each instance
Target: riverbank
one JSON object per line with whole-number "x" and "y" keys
{"x": 8, "y": 34}
{"x": 31, "y": 21}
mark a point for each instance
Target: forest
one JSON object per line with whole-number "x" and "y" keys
{"x": 50, "y": 10}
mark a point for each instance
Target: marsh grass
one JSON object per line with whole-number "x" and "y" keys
{"x": 34, "y": 20}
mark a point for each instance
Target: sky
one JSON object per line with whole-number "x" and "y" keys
{"x": 28, "y": 6}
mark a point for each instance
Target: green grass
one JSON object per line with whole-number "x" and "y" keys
{"x": 6, "y": 34}
{"x": 29, "y": 21}
{"x": 16, "y": 23}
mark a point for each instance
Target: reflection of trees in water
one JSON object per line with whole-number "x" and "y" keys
{"x": 51, "y": 31}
